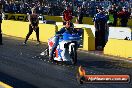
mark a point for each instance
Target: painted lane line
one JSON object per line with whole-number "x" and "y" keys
{"x": 3, "y": 85}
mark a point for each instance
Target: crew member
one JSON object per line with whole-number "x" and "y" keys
{"x": 0, "y": 24}
{"x": 100, "y": 23}
{"x": 67, "y": 15}
{"x": 34, "y": 22}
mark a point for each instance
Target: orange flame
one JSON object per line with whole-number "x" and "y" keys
{"x": 81, "y": 71}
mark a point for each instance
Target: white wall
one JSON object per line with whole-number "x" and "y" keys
{"x": 114, "y": 32}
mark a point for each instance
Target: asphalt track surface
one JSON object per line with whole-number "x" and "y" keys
{"x": 22, "y": 67}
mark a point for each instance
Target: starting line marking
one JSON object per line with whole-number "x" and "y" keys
{"x": 3, "y": 85}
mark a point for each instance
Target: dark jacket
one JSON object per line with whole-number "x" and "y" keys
{"x": 124, "y": 15}
{"x": 100, "y": 20}
{"x": 34, "y": 19}
{"x": 64, "y": 29}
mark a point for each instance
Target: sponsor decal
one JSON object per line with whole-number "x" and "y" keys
{"x": 17, "y": 17}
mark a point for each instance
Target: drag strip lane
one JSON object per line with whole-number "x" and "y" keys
{"x": 17, "y": 62}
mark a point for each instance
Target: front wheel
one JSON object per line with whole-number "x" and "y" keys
{"x": 74, "y": 54}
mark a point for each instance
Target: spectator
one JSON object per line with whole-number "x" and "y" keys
{"x": 64, "y": 3}
{"x": 11, "y": 7}
{"x": 100, "y": 23}
{"x": 124, "y": 16}
{"x": 57, "y": 7}
{"x": 111, "y": 17}
{"x": 51, "y": 9}
{"x": 115, "y": 10}
{"x": 34, "y": 21}
{"x": 80, "y": 15}
{"x": 67, "y": 15}
{"x": 6, "y": 7}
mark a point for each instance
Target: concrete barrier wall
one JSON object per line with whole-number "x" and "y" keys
{"x": 121, "y": 48}
{"x": 88, "y": 39}
{"x": 20, "y": 29}
{"x": 120, "y": 32}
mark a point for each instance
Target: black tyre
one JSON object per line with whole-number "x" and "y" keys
{"x": 74, "y": 54}
{"x": 47, "y": 52}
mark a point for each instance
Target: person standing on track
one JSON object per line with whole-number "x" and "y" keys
{"x": 33, "y": 26}
{"x": 0, "y": 24}
{"x": 100, "y": 23}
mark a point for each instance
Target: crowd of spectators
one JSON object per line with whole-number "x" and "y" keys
{"x": 20, "y": 7}
{"x": 56, "y": 8}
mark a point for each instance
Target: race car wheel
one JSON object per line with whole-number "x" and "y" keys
{"x": 73, "y": 55}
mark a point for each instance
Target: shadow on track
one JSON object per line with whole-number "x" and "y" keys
{"x": 15, "y": 83}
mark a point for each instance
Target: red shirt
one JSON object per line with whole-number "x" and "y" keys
{"x": 124, "y": 14}
{"x": 67, "y": 15}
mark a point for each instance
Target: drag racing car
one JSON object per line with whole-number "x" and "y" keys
{"x": 66, "y": 50}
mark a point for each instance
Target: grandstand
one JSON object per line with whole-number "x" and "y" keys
{"x": 47, "y": 7}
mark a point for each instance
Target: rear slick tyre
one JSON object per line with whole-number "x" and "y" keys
{"x": 74, "y": 55}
